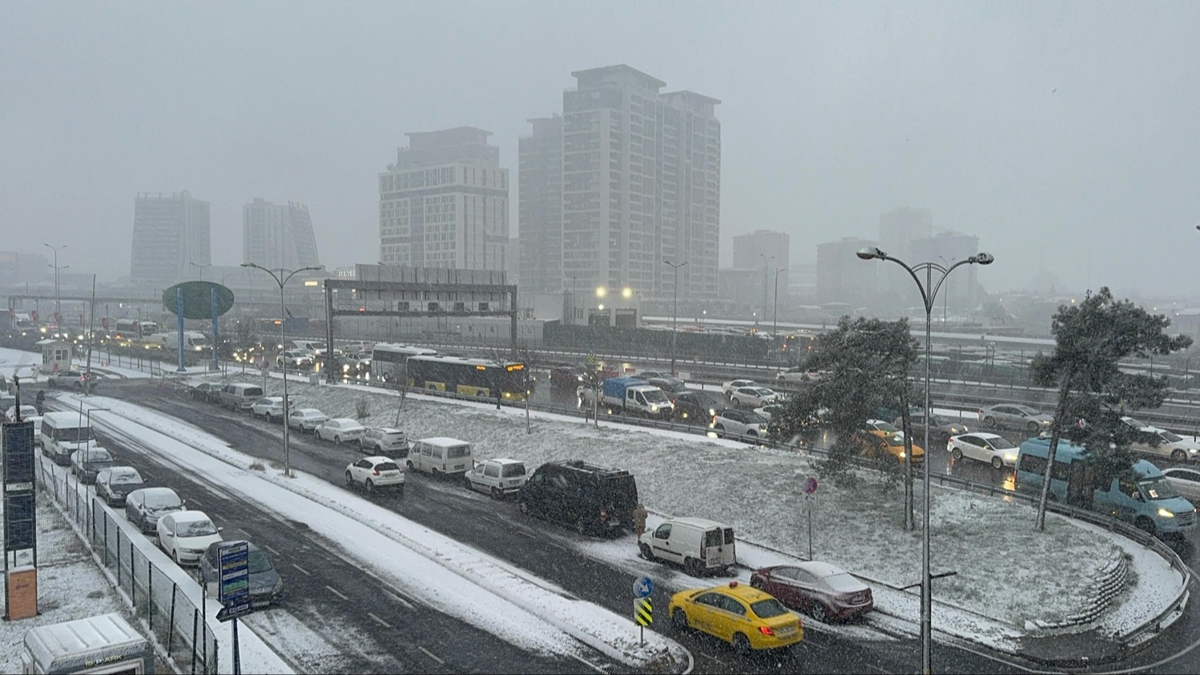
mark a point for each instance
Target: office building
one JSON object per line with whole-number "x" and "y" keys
{"x": 444, "y": 203}
{"x": 842, "y": 278}
{"x": 766, "y": 252}
{"x": 899, "y": 227}
{"x": 961, "y": 289}
{"x": 171, "y": 231}
{"x": 640, "y": 183}
{"x": 278, "y": 236}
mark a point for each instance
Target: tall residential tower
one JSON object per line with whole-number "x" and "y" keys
{"x": 278, "y": 235}
{"x": 170, "y": 233}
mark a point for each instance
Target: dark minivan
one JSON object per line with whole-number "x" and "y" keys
{"x": 593, "y": 499}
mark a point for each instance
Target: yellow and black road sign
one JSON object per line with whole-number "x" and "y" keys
{"x": 643, "y": 612}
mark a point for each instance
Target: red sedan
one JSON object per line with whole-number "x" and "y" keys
{"x": 821, "y": 590}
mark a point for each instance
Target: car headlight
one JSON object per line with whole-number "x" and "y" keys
{"x": 1163, "y": 513}
{"x": 1010, "y": 457}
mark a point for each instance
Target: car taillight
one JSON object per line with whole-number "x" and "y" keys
{"x": 376, "y": 472}
{"x": 603, "y": 514}
{"x": 766, "y": 630}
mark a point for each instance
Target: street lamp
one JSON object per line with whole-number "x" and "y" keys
{"x": 766, "y": 269}
{"x": 57, "y": 303}
{"x": 201, "y": 268}
{"x": 282, "y": 279}
{"x": 674, "y": 309}
{"x": 775, "y": 319}
{"x": 929, "y": 292}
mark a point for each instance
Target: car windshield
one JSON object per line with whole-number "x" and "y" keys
{"x": 885, "y": 426}
{"x": 843, "y": 583}
{"x": 1134, "y": 422}
{"x": 655, "y": 396}
{"x": 674, "y": 387}
{"x": 762, "y": 392}
{"x": 1026, "y": 409}
{"x": 162, "y": 500}
{"x": 458, "y": 451}
{"x": 196, "y": 528}
{"x": 1001, "y": 443}
{"x": 755, "y": 418}
{"x": 511, "y": 470}
{"x": 74, "y": 434}
{"x": 1158, "y": 488}
{"x": 765, "y": 609}
{"x": 257, "y": 563}
{"x": 1170, "y": 437}
{"x": 125, "y": 478}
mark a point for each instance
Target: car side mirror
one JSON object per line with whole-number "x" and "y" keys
{"x": 220, "y": 529}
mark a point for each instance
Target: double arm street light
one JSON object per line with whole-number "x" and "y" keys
{"x": 282, "y": 278}
{"x": 674, "y": 309}
{"x": 57, "y": 307}
{"x": 201, "y": 268}
{"x": 929, "y": 290}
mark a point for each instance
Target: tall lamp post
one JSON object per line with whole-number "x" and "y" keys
{"x": 57, "y": 302}
{"x": 766, "y": 269}
{"x": 674, "y": 309}
{"x": 775, "y": 312}
{"x": 282, "y": 279}
{"x": 201, "y": 268}
{"x": 929, "y": 291}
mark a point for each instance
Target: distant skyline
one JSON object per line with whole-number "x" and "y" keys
{"x": 1060, "y": 134}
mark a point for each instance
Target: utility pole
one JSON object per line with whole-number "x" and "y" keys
{"x": 57, "y": 296}
{"x": 674, "y": 310}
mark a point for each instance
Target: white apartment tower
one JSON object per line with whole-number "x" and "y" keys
{"x": 540, "y": 207}
{"x": 444, "y": 203}
{"x": 640, "y": 182}
{"x": 170, "y": 232}
{"x": 278, "y": 235}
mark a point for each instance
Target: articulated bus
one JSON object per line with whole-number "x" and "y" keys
{"x": 469, "y": 377}
{"x": 387, "y": 360}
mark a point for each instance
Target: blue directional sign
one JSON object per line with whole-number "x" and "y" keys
{"x": 643, "y": 587}
{"x": 233, "y": 569}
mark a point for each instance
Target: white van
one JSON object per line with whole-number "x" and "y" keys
{"x": 440, "y": 456}
{"x": 96, "y": 644}
{"x": 700, "y": 545}
{"x": 63, "y": 433}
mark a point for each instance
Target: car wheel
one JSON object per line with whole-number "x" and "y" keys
{"x": 819, "y": 613}
{"x": 409, "y": 464}
{"x": 349, "y": 480}
{"x": 1145, "y": 524}
{"x": 741, "y": 644}
{"x": 956, "y": 454}
{"x": 525, "y": 507}
{"x": 370, "y": 486}
{"x": 679, "y": 620}
{"x": 997, "y": 463}
{"x": 175, "y": 557}
{"x": 337, "y": 440}
{"x": 1178, "y": 456}
{"x": 496, "y": 493}
{"x": 647, "y": 554}
{"x": 78, "y": 387}
{"x": 989, "y": 422}
{"x": 692, "y": 567}
{"x": 720, "y": 429}
{"x": 1033, "y": 427}
{"x": 580, "y": 526}
{"x": 269, "y": 418}
{"x": 436, "y": 473}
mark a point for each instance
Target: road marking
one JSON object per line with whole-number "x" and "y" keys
{"x": 713, "y": 658}
{"x": 218, "y": 517}
{"x": 400, "y": 599}
{"x": 273, "y": 551}
{"x": 428, "y": 653}
{"x": 335, "y": 592}
{"x": 524, "y": 533}
{"x": 589, "y": 664}
{"x": 306, "y": 572}
{"x": 872, "y": 666}
{"x": 383, "y": 623}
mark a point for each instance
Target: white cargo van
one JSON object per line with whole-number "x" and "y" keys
{"x": 700, "y": 545}
{"x": 63, "y": 433}
{"x": 440, "y": 456}
{"x": 99, "y": 645}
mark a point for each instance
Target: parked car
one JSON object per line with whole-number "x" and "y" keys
{"x": 734, "y": 422}
{"x": 269, "y": 407}
{"x": 375, "y": 472}
{"x": 145, "y": 506}
{"x": 743, "y": 616}
{"x": 648, "y": 374}
{"x": 340, "y": 429}
{"x": 699, "y": 544}
{"x": 497, "y": 477}
{"x": 206, "y": 391}
{"x": 671, "y": 386}
{"x": 752, "y": 397}
{"x": 266, "y": 586}
{"x": 116, "y": 482}
{"x": 295, "y": 358}
{"x": 440, "y": 456}
{"x": 940, "y": 427}
{"x": 27, "y": 411}
{"x": 770, "y": 412}
{"x": 1014, "y": 416}
{"x": 592, "y": 499}
{"x": 1186, "y": 482}
{"x": 72, "y": 378}
{"x": 823, "y": 591}
{"x": 240, "y": 395}
{"x": 993, "y": 449}
{"x": 385, "y": 441}
{"x": 306, "y": 419}
{"x": 186, "y": 535}
{"x": 87, "y": 462}
{"x": 728, "y": 387}
{"x": 880, "y": 427}
{"x": 699, "y": 407}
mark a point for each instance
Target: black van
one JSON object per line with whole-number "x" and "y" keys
{"x": 594, "y": 499}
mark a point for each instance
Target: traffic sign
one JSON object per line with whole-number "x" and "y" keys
{"x": 233, "y": 573}
{"x": 810, "y": 485}
{"x": 643, "y": 587}
{"x": 643, "y": 612}
{"x": 234, "y": 611}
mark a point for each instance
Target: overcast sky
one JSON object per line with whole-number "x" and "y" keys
{"x": 1063, "y": 135}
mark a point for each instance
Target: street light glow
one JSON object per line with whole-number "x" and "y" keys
{"x": 627, "y": 292}
{"x": 601, "y": 291}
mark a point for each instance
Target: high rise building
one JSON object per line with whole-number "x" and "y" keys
{"x": 640, "y": 183}
{"x": 765, "y": 251}
{"x": 841, "y": 276}
{"x": 170, "y": 233}
{"x": 444, "y": 203}
{"x": 539, "y": 206}
{"x": 899, "y": 227}
{"x": 278, "y": 235}
{"x": 961, "y": 289}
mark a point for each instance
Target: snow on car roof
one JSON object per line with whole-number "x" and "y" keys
{"x": 191, "y": 517}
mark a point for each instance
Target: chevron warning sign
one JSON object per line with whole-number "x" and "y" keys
{"x": 643, "y": 612}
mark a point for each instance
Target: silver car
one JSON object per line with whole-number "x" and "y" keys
{"x": 1014, "y": 416}
{"x": 1185, "y": 481}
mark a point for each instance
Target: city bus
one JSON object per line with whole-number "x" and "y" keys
{"x": 469, "y": 377}
{"x": 387, "y": 360}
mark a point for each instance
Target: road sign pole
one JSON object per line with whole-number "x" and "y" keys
{"x": 237, "y": 657}
{"x": 809, "y": 500}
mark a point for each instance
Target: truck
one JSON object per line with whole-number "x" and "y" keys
{"x": 630, "y": 395}
{"x": 96, "y": 644}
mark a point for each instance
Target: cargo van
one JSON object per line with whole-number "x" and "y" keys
{"x": 102, "y": 644}
{"x": 1146, "y": 499}
{"x": 440, "y": 456}
{"x": 240, "y": 395}
{"x": 63, "y": 433}
{"x": 700, "y": 545}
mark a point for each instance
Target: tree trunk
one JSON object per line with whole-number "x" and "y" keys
{"x": 906, "y": 427}
{"x": 1059, "y": 411}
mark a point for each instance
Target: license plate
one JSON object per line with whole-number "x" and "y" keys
{"x": 459, "y": 466}
{"x": 786, "y": 630}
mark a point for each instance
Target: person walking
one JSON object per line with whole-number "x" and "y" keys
{"x": 639, "y": 520}
{"x": 41, "y": 401}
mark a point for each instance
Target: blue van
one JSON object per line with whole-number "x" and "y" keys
{"x": 1149, "y": 502}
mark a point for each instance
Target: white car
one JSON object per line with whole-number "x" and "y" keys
{"x": 734, "y": 422}
{"x": 729, "y": 386}
{"x": 340, "y": 429}
{"x": 295, "y": 358}
{"x": 270, "y": 407}
{"x": 753, "y": 397}
{"x": 186, "y": 535}
{"x": 1169, "y": 445}
{"x": 991, "y": 448}
{"x": 27, "y": 411}
{"x": 1185, "y": 481}
{"x": 375, "y": 472}
{"x": 768, "y": 412}
{"x": 497, "y": 477}
{"x": 384, "y": 440}
{"x": 306, "y": 419}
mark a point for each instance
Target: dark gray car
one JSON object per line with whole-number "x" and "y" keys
{"x": 1014, "y": 416}
{"x": 87, "y": 462}
{"x": 940, "y": 428}
{"x": 266, "y": 586}
{"x": 144, "y": 507}
{"x": 115, "y": 483}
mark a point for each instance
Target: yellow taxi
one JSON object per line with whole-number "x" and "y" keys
{"x": 743, "y": 616}
{"x": 891, "y": 442}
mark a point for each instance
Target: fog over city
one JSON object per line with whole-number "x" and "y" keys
{"x": 1062, "y": 135}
